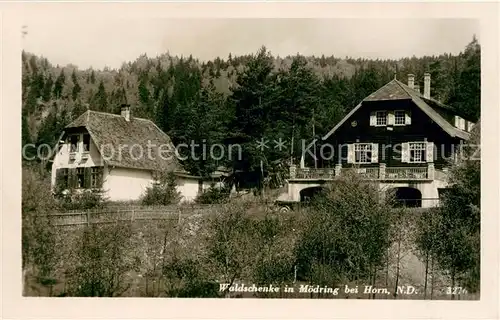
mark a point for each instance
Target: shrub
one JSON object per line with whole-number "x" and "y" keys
{"x": 214, "y": 195}
{"x": 100, "y": 264}
{"x": 188, "y": 280}
{"x": 82, "y": 200}
{"x": 162, "y": 192}
{"x": 452, "y": 236}
{"x": 38, "y": 235}
{"x": 346, "y": 233}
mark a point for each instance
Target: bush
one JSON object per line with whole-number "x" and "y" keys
{"x": 187, "y": 279}
{"x": 38, "y": 235}
{"x": 346, "y": 233}
{"x": 452, "y": 236}
{"x": 162, "y": 192}
{"x": 100, "y": 265}
{"x": 214, "y": 195}
{"x": 82, "y": 200}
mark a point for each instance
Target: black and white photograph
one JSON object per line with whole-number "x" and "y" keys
{"x": 252, "y": 158}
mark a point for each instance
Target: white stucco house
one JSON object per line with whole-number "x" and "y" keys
{"x": 120, "y": 154}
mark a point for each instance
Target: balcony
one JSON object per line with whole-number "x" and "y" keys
{"x": 372, "y": 173}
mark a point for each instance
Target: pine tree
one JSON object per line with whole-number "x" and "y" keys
{"x": 76, "y": 86}
{"x": 468, "y": 100}
{"x": 59, "y": 84}
{"x": 252, "y": 111}
{"x": 47, "y": 89}
{"x": 92, "y": 77}
{"x": 101, "y": 98}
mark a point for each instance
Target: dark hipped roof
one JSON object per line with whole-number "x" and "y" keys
{"x": 396, "y": 90}
{"x": 108, "y": 129}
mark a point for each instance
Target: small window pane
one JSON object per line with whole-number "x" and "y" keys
{"x": 381, "y": 118}
{"x": 363, "y": 152}
{"x": 399, "y": 117}
{"x": 417, "y": 151}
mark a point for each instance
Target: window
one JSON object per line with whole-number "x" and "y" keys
{"x": 62, "y": 179}
{"x": 363, "y": 153}
{"x": 74, "y": 143}
{"x": 80, "y": 177}
{"x": 399, "y": 117}
{"x": 381, "y": 118}
{"x": 86, "y": 143}
{"x": 418, "y": 151}
{"x": 95, "y": 177}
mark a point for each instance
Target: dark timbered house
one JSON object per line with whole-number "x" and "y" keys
{"x": 397, "y": 136}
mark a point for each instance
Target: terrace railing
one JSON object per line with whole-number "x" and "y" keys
{"x": 375, "y": 173}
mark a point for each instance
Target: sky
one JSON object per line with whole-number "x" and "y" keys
{"x": 111, "y": 42}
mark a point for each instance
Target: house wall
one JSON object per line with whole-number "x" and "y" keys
{"x": 428, "y": 189}
{"x": 421, "y": 127}
{"x": 189, "y": 187}
{"x": 62, "y": 158}
{"x": 124, "y": 184}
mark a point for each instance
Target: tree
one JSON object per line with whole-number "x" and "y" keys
{"x": 59, "y": 84}
{"x": 252, "y": 111}
{"x": 101, "y": 98}
{"x": 47, "y": 89}
{"x": 76, "y": 86}
{"x": 39, "y": 252}
{"x": 99, "y": 267}
{"x": 468, "y": 95}
{"x": 92, "y": 77}
{"x": 345, "y": 236}
{"x": 162, "y": 192}
{"x": 453, "y": 237}
{"x": 229, "y": 244}
{"x": 296, "y": 100}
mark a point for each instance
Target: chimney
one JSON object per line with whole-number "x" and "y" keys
{"x": 411, "y": 81}
{"x": 427, "y": 85}
{"x": 125, "y": 111}
{"x": 416, "y": 88}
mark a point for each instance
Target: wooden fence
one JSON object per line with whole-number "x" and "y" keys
{"x": 132, "y": 213}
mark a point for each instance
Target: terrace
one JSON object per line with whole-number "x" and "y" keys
{"x": 373, "y": 173}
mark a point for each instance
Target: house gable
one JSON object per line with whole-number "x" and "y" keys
{"x": 397, "y": 91}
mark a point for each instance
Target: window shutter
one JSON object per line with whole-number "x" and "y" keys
{"x": 60, "y": 179}
{"x": 408, "y": 117}
{"x": 373, "y": 119}
{"x": 72, "y": 178}
{"x": 390, "y": 118}
{"x": 374, "y": 152}
{"x": 405, "y": 152}
{"x": 86, "y": 177}
{"x": 302, "y": 161}
{"x": 100, "y": 179}
{"x": 430, "y": 152}
{"x": 457, "y": 124}
{"x": 462, "y": 124}
{"x": 350, "y": 153}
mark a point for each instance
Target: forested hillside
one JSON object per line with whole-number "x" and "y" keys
{"x": 234, "y": 99}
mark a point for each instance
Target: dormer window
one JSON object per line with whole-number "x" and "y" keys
{"x": 381, "y": 118}
{"x": 74, "y": 139}
{"x": 86, "y": 143}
